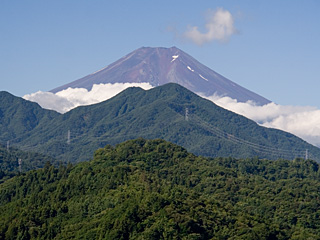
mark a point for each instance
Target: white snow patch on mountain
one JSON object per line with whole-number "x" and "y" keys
{"x": 203, "y": 77}
{"x": 174, "y": 57}
{"x": 190, "y": 69}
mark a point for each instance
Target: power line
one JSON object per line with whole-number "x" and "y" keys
{"x": 285, "y": 153}
{"x": 257, "y": 147}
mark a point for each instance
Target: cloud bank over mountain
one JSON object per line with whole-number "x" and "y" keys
{"x": 70, "y": 98}
{"x": 303, "y": 121}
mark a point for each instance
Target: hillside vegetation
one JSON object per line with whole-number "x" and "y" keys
{"x": 18, "y": 117}
{"x": 9, "y": 162}
{"x": 153, "y": 189}
{"x": 209, "y": 130}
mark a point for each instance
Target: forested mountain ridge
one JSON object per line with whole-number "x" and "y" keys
{"x": 143, "y": 189}
{"x": 18, "y": 117}
{"x": 169, "y": 112}
{"x": 208, "y": 130}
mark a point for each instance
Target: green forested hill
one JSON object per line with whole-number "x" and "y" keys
{"x": 143, "y": 189}
{"x": 208, "y": 130}
{"x": 18, "y": 117}
{"x": 9, "y": 162}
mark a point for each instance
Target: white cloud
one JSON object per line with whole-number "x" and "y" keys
{"x": 219, "y": 26}
{"x": 70, "y": 98}
{"x": 302, "y": 121}
{"x": 50, "y": 101}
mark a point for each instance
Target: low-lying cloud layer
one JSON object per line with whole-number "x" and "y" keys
{"x": 302, "y": 121}
{"x": 299, "y": 120}
{"x": 219, "y": 26}
{"x": 70, "y": 98}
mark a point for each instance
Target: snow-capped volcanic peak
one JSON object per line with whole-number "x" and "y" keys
{"x": 174, "y": 57}
{"x": 158, "y": 66}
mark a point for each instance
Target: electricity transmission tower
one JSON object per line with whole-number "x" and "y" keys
{"x": 20, "y": 163}
{"x": 187, "y": 114}
{"x": 68, "y": 141}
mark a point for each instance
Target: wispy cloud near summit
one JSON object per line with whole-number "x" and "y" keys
{"x": 219, "y": 26}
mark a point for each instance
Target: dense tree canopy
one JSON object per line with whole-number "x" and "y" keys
{"x": 9, "y": 162}
{"x": 153, "y": 189}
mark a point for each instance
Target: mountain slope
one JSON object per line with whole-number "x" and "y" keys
{"x": 19, "y": 117}
{"x": 208, "y": 130}
{"x": 157, "y": 190}
{"x": 159, "y": 66}
{"x": 9, "y": 162}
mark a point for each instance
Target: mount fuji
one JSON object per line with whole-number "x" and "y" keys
{"x": 158, "y": 66}
{"x": 149, "y": 67}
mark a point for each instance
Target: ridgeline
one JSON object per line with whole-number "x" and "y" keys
{"x": 169, "y": 112}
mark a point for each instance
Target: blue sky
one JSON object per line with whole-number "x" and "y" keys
{"x": 275, "y": 51}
